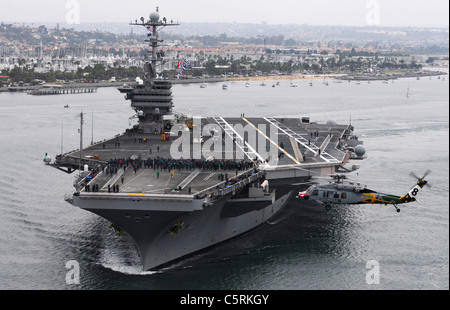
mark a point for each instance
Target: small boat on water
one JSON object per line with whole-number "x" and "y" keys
{"x": 203, "y": 85}
{"x": 125, "y": 88}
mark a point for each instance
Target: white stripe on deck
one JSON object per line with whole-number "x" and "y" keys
{"x": 270, "y": 140}
{"x": 190, "y": 178}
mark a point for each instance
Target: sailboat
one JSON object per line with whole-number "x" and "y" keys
{"x": 204, "y": 84}
{"x": 407, "y": 92}
{"x": 225, "y": 84}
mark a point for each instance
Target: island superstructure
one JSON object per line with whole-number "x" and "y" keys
{"x": 178, "y": 184}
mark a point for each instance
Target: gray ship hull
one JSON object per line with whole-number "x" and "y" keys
{"x": 165, "y": 236}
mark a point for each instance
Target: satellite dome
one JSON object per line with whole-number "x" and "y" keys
{"x": 154, "y": 16}
{"x": 331, "y": 122}
{"x": 360, "y": 150}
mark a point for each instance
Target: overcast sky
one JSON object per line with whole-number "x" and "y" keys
{"x": 429, "y": 13}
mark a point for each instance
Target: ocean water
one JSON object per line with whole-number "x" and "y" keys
{"x": 304, "y": 247}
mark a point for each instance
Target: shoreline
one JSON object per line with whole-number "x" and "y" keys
{"x": 294, "y": 77}
{"x": 266, "y": 78}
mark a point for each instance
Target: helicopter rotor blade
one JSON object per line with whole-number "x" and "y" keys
{"x": 361, "y": 169}
{"x": 426, "y": 173}
{"x": 304, "y": 183}
{"x": 415, "y": 176}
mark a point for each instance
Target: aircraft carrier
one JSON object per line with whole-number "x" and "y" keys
{"x": 178, "y": 184}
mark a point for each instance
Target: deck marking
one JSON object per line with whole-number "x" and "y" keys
{"x": 270, "y": 140}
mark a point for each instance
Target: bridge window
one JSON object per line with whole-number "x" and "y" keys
{"x": 315, "y": 193}
{"x": 343, "y": 195}
{"x": 336, "y": 195}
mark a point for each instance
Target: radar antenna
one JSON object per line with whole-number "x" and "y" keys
{"x": 153, "y": 25}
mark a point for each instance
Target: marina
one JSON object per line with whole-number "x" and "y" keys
{"x": 262, "y": 80}
{"x": 52, "y": 90}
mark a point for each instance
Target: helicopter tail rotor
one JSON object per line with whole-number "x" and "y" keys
{"x": 421, "y": 183}
{"x": 421, "y": 180}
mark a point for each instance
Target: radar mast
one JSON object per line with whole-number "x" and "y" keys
{"x": 153, "y": 25}
{"x": 152, "y": 97}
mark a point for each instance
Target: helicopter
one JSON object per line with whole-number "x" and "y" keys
{"x": 338, "y": 192}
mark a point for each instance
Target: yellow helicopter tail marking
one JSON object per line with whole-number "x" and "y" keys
{"x": 369, "y": 198}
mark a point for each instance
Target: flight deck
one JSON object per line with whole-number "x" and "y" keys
{"x": 139, "y": 163}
